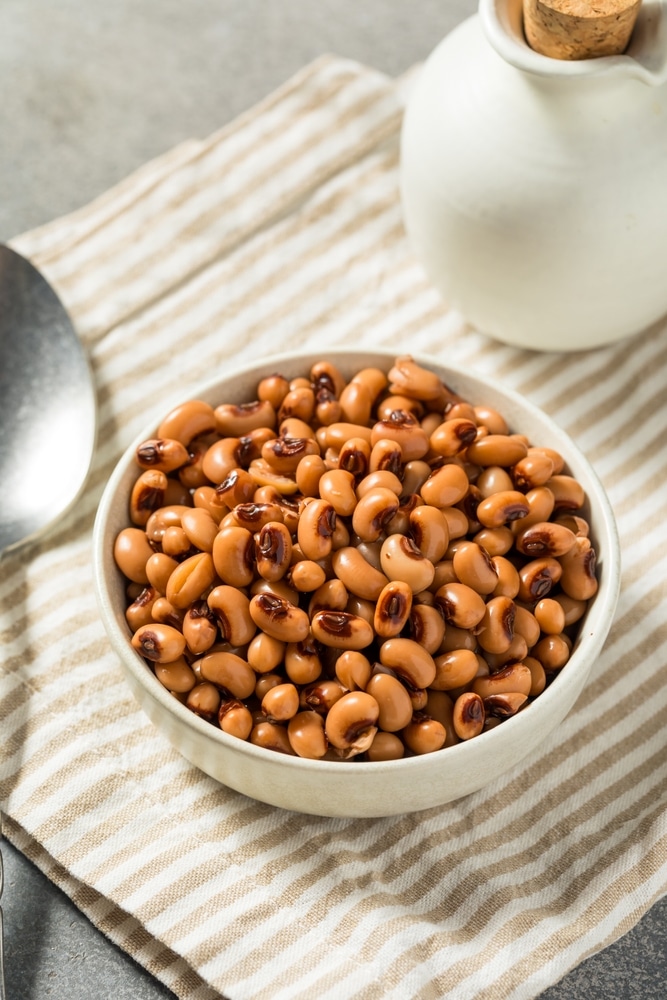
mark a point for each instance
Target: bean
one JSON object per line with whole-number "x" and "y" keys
{"x": 545, "y": 538}
{"x": 273, "y": 550}
{"x": 504, "y": 705}
{"x": 454, "y": 669}
{"x": 204, "y": 700}
{"x": 200, "y": 527}
{"x": 205, "y": 498}
{"x": 534, "y": 470}
{"x": 475, "y": 568}
{"x": 157, "y": 642}
{"x": 264, "y": 475}
{"x": 393, "y": 701}
{"x": 351, "y": 723}
{"x": 374, "y": 378}
{"x": 552, "y": 651}
{"x": 299, "y": 402}
{"x": 176, "y": 676}
{"x": 573, "y": 609}
{"x": 302, "y": 661}
{"x": 460, "y": 605}
{"x": 538, "y": 577}
{"x": 237, "y": 487}
{"x": 404, "y": 429}
{"x": 568, "y": 493}
{"x": 373, "y": 512}
{"x": 306, "y": 576}
{"x": 199, "y": 627}
{"x": 429, "y": 531}
{"x": 386, "y": 456}
{"x": 578, "y": 579}
{"x": 275, "y": 588}
{"x": 220, "y": 459}
{"x": 176, "y": 543}
{"x": 526, "y": 625}
{"x": 353, "y": 670}
{"x": 425, "y": 735}
{"x": 509, "y": 581}
{"x": 427, "y": 627}
{"x": 281, "y": 703}
{"x": 468, "y": 715}
{"x": 385, "y": 746}
{"x": 308, "y": 475}
{"x": 230, "y": 672}
{"x": 402, "y": 560}
{"x": 264, "y": 683}
{"x": 236, "y": 420}
{"x": 140, "y": 611}
{"x": 457, "y": 638}
{"x": 190, "y": 579}
{"x": 253, "y": 516}
{"x": 452, "y": 436}
{"x": 357, "y": 575}
{"x": 231, "y": 610}
{"x": 335, "y": 435}
{"x": 445, "y": 487}
{"x": 392, "y": 609}
{"x": 233, "y": 556}
{"x": 132, "y": 551}
{"x": 409, "y": 661}
{"x": 187, "y": 421}
{"x": 501, "y": 508}
{"x": 265, "y": 653}
{"x": 341, "y": 630}
{"x": 515, "y": 677}
{"x": 496, "y": 541}
{"x": 354, "y": 457}
{"x": 332, "y": 595}
{"x": 322, "y": 695}
{"x": 356, "y": 401}
{"x": 440, "y": 706}
{"x": 491, "y": 419}
{"x": 410, "y": 378}
{"x": 550, "y": 616}
{"x": 361, "y": 608}
{"x": 538, "y": 678}
{"x": 457, "y": 522}
{"x": 273, "y": 389}
{"x": 381, "y": 478}
{"x": 147, "y": 495}
{"x": 279, "y": 618}
{"x": 326, "y": 373}
{"x": 164, "y": 454}
{"x": 496, "y": 628}
{"x": 271, "y": 736}
{"x": 166, "y": 614}
{"x": 315, "y": 529}
{"x": 497, "y": 449}
{"x": 306, "y": 735}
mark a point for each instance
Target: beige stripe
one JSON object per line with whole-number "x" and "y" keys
{"x": 277, "y": 208}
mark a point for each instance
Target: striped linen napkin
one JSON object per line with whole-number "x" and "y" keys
{"x": 280, "y": 231}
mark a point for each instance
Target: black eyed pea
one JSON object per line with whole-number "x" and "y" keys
{"x": 321, "y": 696}
{"x": 550, "y": 616}
{"x": 380, "y": 478}
{"x": 166, "y": 614}
{"x": 230, "y": 672}
{"x": 457, "y": 522}
{"x": 496, "y": 541}
{"x": 204, "y": 700}
{"x": 354, "y": 457}
{"x": 356, "y": 401}
{"x": 497, "y": 449}
{"x": 279, "y": 618}
{"x": 159, "y": 568}
{"x": 307, "y": 576}
{"x": 299, "y": 402}
{"x": 502, "y": 508}
{"x": 332, "y": 595}
{"x": 392, "y": 609}
{"x": 275, "y": 588}
{"x": 306, "y": 735}
{"x": 534, "y": 470}
{"x": 386, "y": 746}
{"x": 201, "y": 528}
{"x": 453, "y": 436}
{"x": 514, "y": 677}
{"x": 353, "y": 670}
{"x": 475, "y": 568}
{"x": 537, "y": 579}
{"x": 265, "y": 653}
{"x": 281, "y": 703}
{"x": 568, "y": 492}
{"x": 163, "y": 454}
{"x": 220, "y": 459}
{"x": 176, "y": 676}
{"x": 315, "y": 529}
{"x": 410, "y": 378}
{"x": 578, "y": 580}
{"x": 409, "y": 661}
{"x": 504, "y": 705}
{"x": 491, "y": 419}
{"x": 236, "y": 420}
{"x": 147, "y": 495}
{"x": 552, "y": 651}
{"x": 140, "y": 611}
{"x": 309, "y": 474}
{"x": 253, "y": 516}
{"x": 496, "y": 627}
{"x": 341, "y": 630}
{"x": 545, "y": 538}
{"x": 445, "y": 487}
{"x": 187, "y": 421}
{"x": 402, "y": 560}
{"x": 386, "y": 456}
{"x": 427, "y": 627}
{"x": 454, "y": 670}
{"x": 235, "y": 718}
{"x": 302, "y": 661}
{"x": 132, "y": 550}
{"x": 190, "y": 579}
{"x": 373, "y": 378}
{"x": 237, "y": 487}
{"x": 440, "y": 706}
{"x": 159, "y": 643}
{"x": 509, "y": 581}
{"x": 573, "y": 609}
{"x": 273, "y": 550}
{"x": 356, "y": 574}
{"x": 284, "y": 454}
{"x": 393, "y": 701}
{"x": 264, "y": 475}
{"x": 351, "y": 723}
{"x": 271, "y": 736}
{"x": 461, "y": 606}
{"x": 424, "y": 735}
{"x": 233, "y": 556}
{"x": 273, "y": 389}
{"x": 468, "y": 715}
{"x": 429, "y": 531}
{"x": 230, "y": 608}
{"x": 337, "y": 488}
{"x": 405, "y": 430}
{"x": 373, "y": 512}
{"x": 199, "y": 628}
{"x": 361, "y": 608}
{"x": 175, "y": 543}
{"x": 493, "y": 479}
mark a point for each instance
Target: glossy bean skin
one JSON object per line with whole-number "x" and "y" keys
{"x": 496, "y": 628}
{"x": 385, "y": 746}
{"x": 230, "y": 608}
{"x": 475, "y": 568}
{"x": 316, "y": 527}
{"x": 402, "y": 560}
{"x": 538, "y": 577}
{"x": 132, "y": 550}
{"x": 187, "y": 421}
{"x": 468, "y": 715}
{"x": 279, "y": 618}
{"x": 460, "y": 605}
{"x": 139, "y": 612}
{"x": 426, "y": 627}
{"x": 306, "y": 735}
{"x": 302, "y": 661}
{"x": 341, "y": 630}
{"x": 409, "y": 661}
{"x": 395, "y": 707}
{"x": 357, "y": 575}
{"x": 159, "y": 643}
{"x": 164, "y": 454}
{"x": 233, "y": 556}
{"x": 502, "y": 508}
{"x": 403, "y": 428}
{"x": 578, "y": 579}
{"x": 176, "y": 676}
{"x": 204, "y": 700}
{"x": 190, "y": 579}
{"x": 429, "y": 530}
{"x": 351, "y": 723}
{"x": 392, "y": 609}
{"x": 273, "y": 550}
{"x": 353, "y": 670}
{"x": 515, "y": 677}
{"x": 199, "y": 628}
{"x": 454, "y": 670}
{"x": 425, "y": 735}
{"x": 373, "y": 512}
{"x": 445, "y": 487}
{"x": 230, "y": 672}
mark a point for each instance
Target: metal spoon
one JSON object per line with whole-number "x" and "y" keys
{"x": 47, "y": 414}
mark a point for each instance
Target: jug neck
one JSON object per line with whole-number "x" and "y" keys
{"x": 644, "y": 59}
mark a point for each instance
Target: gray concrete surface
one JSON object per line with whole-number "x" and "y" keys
{"x": 91, "y": 89}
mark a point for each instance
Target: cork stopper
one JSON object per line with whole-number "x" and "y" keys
{"x": 576, "y": 29}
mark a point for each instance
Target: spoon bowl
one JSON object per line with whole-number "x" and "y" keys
{"x": 47, "y": 405}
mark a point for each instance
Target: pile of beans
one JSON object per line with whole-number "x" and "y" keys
{"x": 353, "y": 570}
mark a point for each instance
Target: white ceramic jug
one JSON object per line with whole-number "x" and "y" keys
{"x": 534, "y": 189}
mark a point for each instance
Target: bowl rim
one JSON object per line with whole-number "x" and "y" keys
{"x": 598, "y": 619}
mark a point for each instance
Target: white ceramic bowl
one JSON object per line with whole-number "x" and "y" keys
{"x": 330, "y": 788}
